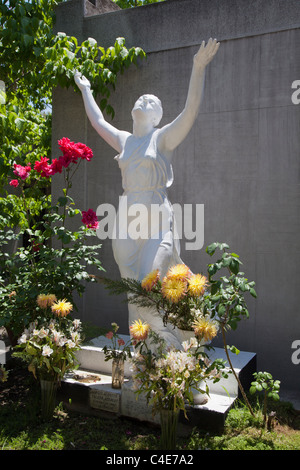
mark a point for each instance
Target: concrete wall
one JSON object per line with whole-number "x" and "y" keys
{"x": 241, "y": 160}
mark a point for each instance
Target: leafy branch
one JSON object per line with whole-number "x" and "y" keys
{"x": 226, "y": 299}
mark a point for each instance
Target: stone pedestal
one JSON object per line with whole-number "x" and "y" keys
{"x": 91, "y": 392}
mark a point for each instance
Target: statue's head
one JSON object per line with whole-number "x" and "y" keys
{"x": 148, "y": 107}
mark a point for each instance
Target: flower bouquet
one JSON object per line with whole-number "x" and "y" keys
{"x": 168, "y": 377}
{"x": 49, "y": 347}
{"x": 118, "y": 352}
{"x": 178, "y": 297}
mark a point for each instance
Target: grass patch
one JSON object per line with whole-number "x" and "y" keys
{"x": 21, "y": 427}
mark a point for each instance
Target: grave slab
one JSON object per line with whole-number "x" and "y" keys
{"x": 89, "y": 390}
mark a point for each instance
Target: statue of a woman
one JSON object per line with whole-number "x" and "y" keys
{"x": 144, "y": 157}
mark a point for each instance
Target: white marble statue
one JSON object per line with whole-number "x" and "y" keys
{"x": 144, "y": 157}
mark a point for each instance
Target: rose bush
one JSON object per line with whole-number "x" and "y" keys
{"x": 53, "y": 257}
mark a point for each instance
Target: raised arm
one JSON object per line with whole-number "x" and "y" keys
{"x": 114, "y": 137}
{"x": 174, "y": 133}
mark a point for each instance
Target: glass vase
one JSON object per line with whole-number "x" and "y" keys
{"x": 48, "y": 398}
{"x": 117, "y": 377}
{"x": 169, "y": 425}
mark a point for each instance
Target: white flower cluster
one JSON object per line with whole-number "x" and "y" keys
{"x": 53, "y": 335}
{"x": 176, "y": 370}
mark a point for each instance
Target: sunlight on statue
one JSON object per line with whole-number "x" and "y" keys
{"x": 145, "y": 157}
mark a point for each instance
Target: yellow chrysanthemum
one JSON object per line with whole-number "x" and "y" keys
{"x": 45, "y": 301}
{"x": 179, "y": 271}
{"x": 139, "y": 331}
{"x": 205, "y": 329}
{"x": 197, "y": 285}
{"x": 150, "y": 280}
{"x": 173, "y": 289}
{"x": 62, "y": 308}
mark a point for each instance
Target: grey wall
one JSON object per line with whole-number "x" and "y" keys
{"x": 241, "y": 160}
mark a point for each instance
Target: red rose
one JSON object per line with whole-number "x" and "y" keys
{"x": 69, "y": 152}
{"x": 56, "y": 166}
{"x": 89, "y": 218}
{"x": 72, "y": 151}
{"x": 43, "y": 167}
{"x": 14, "y": 183}
{"x": 83, "y": 151}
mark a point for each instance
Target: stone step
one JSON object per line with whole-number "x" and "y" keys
{"x": 91, "y": 357}
{"x": 88, "y": 390}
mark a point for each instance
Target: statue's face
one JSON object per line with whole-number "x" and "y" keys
{"x": 147, "y": 107}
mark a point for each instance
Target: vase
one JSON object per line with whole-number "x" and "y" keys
{"x": 169, "y": 425}
{"x": 117, "y": 377}
{"x": 48, "y": 398}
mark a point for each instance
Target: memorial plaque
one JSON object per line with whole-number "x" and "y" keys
{"x": 106, "y": 400}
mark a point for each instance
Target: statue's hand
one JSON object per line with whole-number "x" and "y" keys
{"x": 81, "y": 81}
{"x": 206, "y": 53}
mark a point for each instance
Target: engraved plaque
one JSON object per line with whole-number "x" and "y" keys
{"x": 105, "y": 400}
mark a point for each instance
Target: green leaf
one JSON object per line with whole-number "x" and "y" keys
{"x": 62, "y": 201}
{"x": 211, "y": 249}
{"x": 234, "y": 266}
{"x": 253, "y": 292}
{"x": 28, "y": 40}
{"x": 234, "y": 350}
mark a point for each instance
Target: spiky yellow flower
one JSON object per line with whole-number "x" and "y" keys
{"x": 45, "y": 301}
{"x": 197, "y": 285}
{"x": 179, "y": 271}
{"x": 173, "y": 289}
{"x": 139, "y": 331}
{"x": 205, "y": 329}
{"x": 62, "y": 308}
{"x": 150, "y": 280}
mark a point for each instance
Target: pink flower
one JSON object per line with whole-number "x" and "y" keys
{"x": 14, "y": 183}
{"x": 89, "y": 218}
{"x": 43, "y": 167}
{"x": 67, "y": 148}
{"x": 83, "y": 151}
{"x": 22, "y": 171}
{"x": 109, "y": 335}
{"x": 56, "y": 166}
{"x": 72, "y": 151}
{"x": 121, "y": 342}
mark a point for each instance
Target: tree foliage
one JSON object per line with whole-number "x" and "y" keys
{"x": 135, "y": 3}
{"x": 32, "y": 62}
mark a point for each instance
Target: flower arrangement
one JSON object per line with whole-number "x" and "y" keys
{"x": 119, "y": 349}
{"x": 178, "y": 297}
{"x": 169, "y": 376}
{"x": 49, "y": 345}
